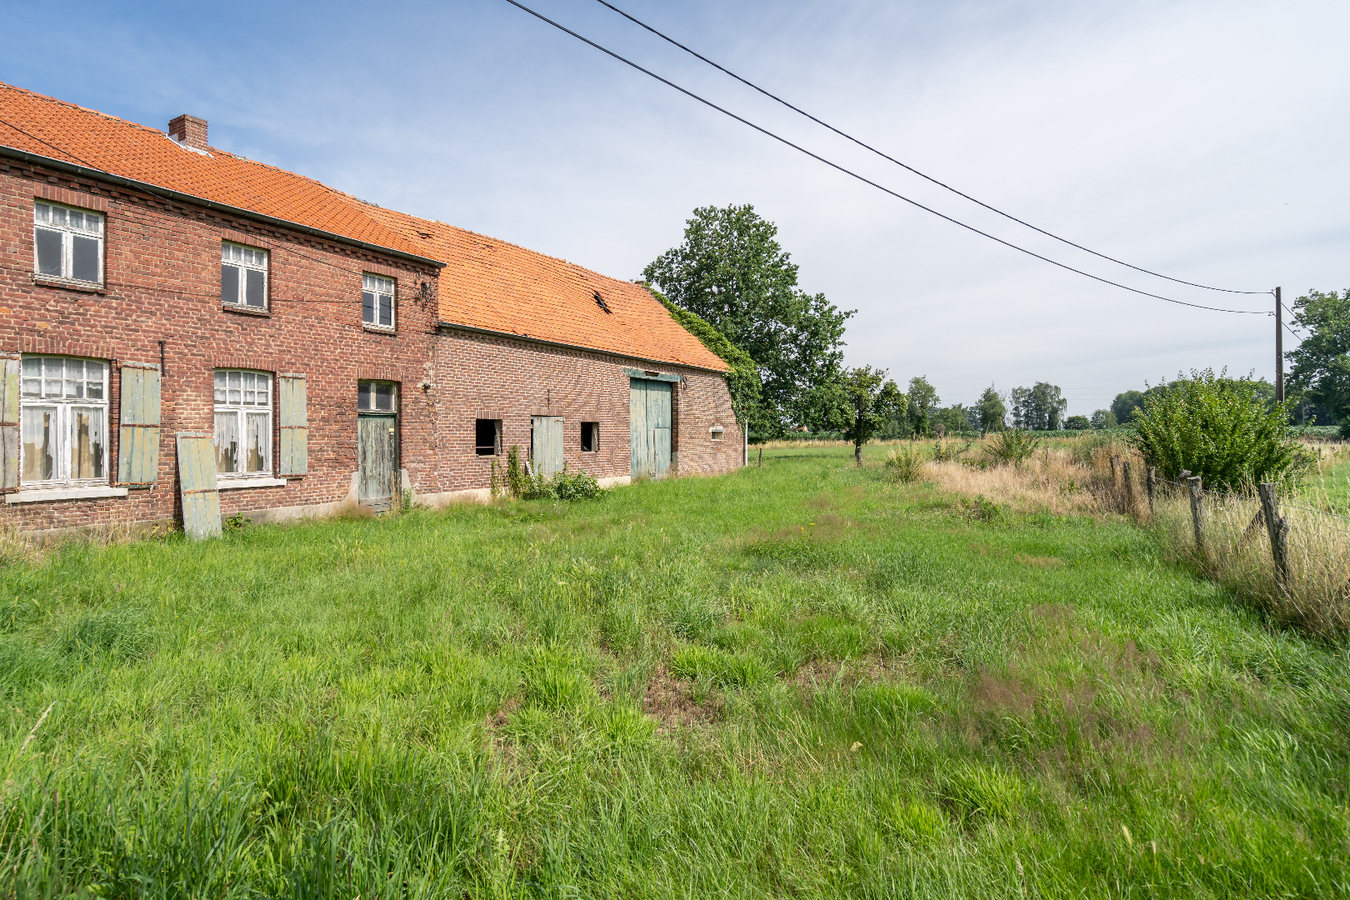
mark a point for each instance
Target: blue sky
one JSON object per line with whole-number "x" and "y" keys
{"x": 1202, "y": 139}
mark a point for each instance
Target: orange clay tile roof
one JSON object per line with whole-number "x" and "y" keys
{"x": 497, "y": 286}
{"x": 486, "y": 284}
{"x": 72, "y": 134}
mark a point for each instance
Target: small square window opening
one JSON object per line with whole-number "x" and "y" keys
{"x": 377, "y": 396}
{"x": 487, "y": 437}
{"x": 67, "y": 243}
{"x": 377, "y": 301}
{"x": 717, "y": 431}
{"x": 243, "y": 276}
{"x": 590, "y": 437}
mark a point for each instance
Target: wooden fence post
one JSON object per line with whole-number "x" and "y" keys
{"x": 1278, "y": 529}
{"x": 1129, "y": 487}
{"x": 761, "y": 457}
{"x": 1152, "y": 486}
{"x": 1197, "y": 513}
{"x": 1114, "y": 460}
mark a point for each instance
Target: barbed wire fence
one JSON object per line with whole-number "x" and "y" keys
{"x": 1291, "y": 557}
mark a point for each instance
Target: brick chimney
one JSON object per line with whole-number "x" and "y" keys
{"x": 189, "y": 130}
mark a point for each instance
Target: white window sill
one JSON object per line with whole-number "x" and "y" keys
{"x": 40, "y": 495}
{"x": 234, "y": 484}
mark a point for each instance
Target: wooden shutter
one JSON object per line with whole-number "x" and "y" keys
{"x": 197, "y": 482}
{"x": 138, "y": 433}
{"x": 294, "y": 425}
{"x": 9, "y": 422}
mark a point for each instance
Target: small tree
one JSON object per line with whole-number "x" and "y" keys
{"x": 1103, "y": 418}
{"x": 1077, "y": 423}
{"x": 863, "y": 401}
{"x": 992, "y": 410}
{"x": 1219, "y": 428}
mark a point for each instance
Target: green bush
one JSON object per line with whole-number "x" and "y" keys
{"x": 1013, "y": 446}
{"x": 564, "y": 485}
{"x": 905, "y": 464}
{"x": 1077, "y": 423}
{"x": 1221, "y": 429}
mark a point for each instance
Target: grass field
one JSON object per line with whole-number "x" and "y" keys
{"x": 795, "y": 681}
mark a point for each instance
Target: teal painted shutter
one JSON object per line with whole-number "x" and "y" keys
{"x": 197, "y": 482}
{"x": 9, "y": 423}
{"x": 637, "y": 432}
{"x": 138, "y": 433}
{"x": 659, "y": 418}
{"x": 294, "y": 425}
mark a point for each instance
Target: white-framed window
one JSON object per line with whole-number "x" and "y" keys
{"x": 67, "y": 243}
{"x": 377, "y": 301}
{"x": 243, "y": 423}
{"x": 63, "y": 413}
{"x": 717, "y": 432}
{"x": 243, "y": 276}
{"x": 377, "y": 396}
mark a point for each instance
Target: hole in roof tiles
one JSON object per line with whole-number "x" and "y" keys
{"x": 600, "y": 302}
{"x": 425, "y": 235}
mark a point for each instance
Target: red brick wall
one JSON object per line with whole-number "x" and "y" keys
{"x": 489, "y": 377}
{"x": 162, "y": 282}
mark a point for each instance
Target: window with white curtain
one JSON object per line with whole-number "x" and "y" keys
{"x": 243, "y": 423}
{"x": 67, "y": 243}
{"x": 243, "y": 276}
{"x": 63, "y": 413}
{"x": 377, "y": 301}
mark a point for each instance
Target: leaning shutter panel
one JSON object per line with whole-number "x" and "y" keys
{"x": 197, "y": 483}
{"x": 138, "y": 433}
{"x": 294, "y": 425}
{"x": 9, "y": 423}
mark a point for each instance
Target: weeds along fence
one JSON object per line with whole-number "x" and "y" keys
{"x": 1289, "y": 558}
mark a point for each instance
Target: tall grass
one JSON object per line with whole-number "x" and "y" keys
{"x": 803, "y": 680}
{"x": 1315, "y": 594}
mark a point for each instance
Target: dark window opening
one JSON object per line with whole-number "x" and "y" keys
{"x": 590, "y": 437}
{"x": 488, "y": 437}
{"x": 377, "y": 396}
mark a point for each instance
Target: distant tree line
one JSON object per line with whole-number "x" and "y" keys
{"x": 733, "y": 286}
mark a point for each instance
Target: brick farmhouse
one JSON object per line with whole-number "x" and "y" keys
{"x": 333, "y": 352}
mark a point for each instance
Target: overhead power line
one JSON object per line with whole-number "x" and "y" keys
{"x": 852, "y": 174}
{"x": 942, "y": 184}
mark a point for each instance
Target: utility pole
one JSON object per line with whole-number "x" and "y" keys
{"x": 1279, "y": 348}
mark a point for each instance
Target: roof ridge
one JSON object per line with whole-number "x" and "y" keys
{"x": 98, "y": 112}
{"x": 502, "y": 241}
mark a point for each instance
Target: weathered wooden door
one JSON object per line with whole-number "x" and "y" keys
{"x": 546, "y": 445}
{"x": 377, "y": 460}
{"x": 649, "y": 409}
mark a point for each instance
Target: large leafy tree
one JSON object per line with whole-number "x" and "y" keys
{"x": 1126, "y": 404}
{"x": 1322, "y": 362}
{"x": 731, "y": 271}
{"x": 923, "y": 404}
{"x": 862, "y": 402}
{"x": 1038, "y": 408}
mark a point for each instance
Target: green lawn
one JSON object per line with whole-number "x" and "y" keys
{"x": 1329, "y": 484}
{"x": 794, "y": 681}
